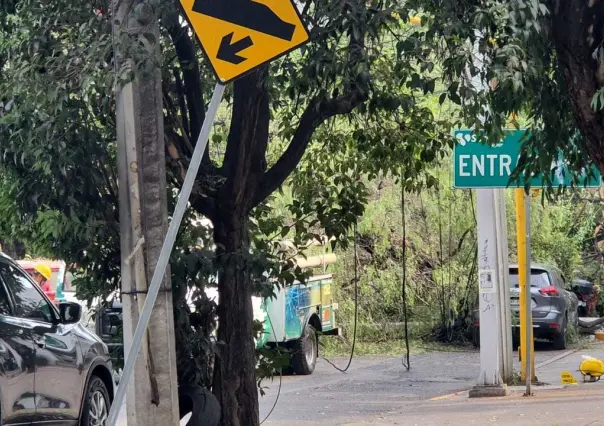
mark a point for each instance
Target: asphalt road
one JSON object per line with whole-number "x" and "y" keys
{"x": 372, "y": 388}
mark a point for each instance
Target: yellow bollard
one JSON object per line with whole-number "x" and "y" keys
{"x": 522, "y": 267}
{"x": 526, "y": 322}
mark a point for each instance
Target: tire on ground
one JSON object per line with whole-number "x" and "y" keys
{"x": 305, "y": 352}
{"x": 95, "y": 384}
{"x": 476, "y": 337}
{"x": 560, "y": 338}
{"x": 201, "y": 403}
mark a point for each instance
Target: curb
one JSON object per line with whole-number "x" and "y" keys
{"x": 513, "y": 388}
{"x": 556, "y": 358}
{"x": 447, "y": 396}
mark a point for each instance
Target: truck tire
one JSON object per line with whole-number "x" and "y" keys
{"x": 305, "y": 351}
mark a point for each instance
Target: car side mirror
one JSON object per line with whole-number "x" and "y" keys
{"x": 70, "y": 312}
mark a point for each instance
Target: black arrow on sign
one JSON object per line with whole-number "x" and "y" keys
{"x": 228, "y": 51}
{"x": 247, "y": 13}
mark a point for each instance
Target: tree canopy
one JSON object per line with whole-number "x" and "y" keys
{"x": 349, "y": 106}
{"x": 58, "y": 139}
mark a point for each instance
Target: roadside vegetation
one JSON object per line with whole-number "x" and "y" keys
{"x": 441, "y": 270}
{"x": 338, "y": 136}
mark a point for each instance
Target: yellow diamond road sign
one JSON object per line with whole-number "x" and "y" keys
{"x": 240, "y": 35}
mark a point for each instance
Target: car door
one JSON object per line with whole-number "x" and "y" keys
{"x": 17, "y": 366}
{"x": 59, "y": 364}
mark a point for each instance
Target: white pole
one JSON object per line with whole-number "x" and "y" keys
{"x": 166, "y": 250}
{"x": 495, "y": 358}
{"x": 488, "y": 286}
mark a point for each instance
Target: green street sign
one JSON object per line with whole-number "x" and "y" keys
{"x": 477, "y": 165}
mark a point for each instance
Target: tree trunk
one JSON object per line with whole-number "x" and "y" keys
{"x": 577, "y": 30}
{"x": 235, "y": 369}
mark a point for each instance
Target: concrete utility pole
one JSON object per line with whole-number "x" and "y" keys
{"x": 493, "y": 290}
{"x": 152, "y": 397}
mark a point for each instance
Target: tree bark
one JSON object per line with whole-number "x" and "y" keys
{"x": 235, "y": 369}
{"x": 577, "y": 29}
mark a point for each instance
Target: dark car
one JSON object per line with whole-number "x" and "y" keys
{"x": 53, "y": 371}
{"x": 108, "y": 326}
{"x": 588, "y": 295}
{"x": 554, "y": 307}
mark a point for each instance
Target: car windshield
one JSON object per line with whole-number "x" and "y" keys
{"x": 539, "y": 278}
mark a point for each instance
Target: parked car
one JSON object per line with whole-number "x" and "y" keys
{"x": 589, "y": 296}
{"x": 554, "y": 305}
{"x": 53, "y": 371}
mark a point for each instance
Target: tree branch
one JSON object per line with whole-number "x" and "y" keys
{"x": 244, "y": 159}
{"x": 180, "y": 92}
{"x": 317, "y": 112}
{"x": 187, "y": 58}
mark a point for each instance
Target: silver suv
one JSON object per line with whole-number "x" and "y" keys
{"x": 554, "y": 308}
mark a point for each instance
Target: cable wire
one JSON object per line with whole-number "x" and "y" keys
{"x": 280, "y": 372}
{"x": 406, "y": 357}
{"x": 354, "y": 333}
{"x": 356, "y": 306}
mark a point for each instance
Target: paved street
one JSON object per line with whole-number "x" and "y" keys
{"x": 379, "y": 391}
{"x": 373, "y": 388}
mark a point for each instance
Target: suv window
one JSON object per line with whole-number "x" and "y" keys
{"x": 29, "y": 302}
{"x": 4, "y": 303}
{"x": 539, "y": 278}
{"x": 557, "y": 276}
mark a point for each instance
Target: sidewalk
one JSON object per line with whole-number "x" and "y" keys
{"x": 553, "y": 405}
{"x": 550, "y": 373}
{"x": 578, "y": 407}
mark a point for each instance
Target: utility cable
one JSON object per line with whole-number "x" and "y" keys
{"x": 356, "y": 306}
{"x": 406, "y": 358}
{"x": 354, "y": 333}
{"x": 280, "y": 371}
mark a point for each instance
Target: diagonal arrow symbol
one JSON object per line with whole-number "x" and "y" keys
{"x": 229, "y": 51}
{"x": 247, "y": 13}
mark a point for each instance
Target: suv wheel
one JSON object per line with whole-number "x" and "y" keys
{"x": 96, "y": 404}
{"x": 560, "y": 338}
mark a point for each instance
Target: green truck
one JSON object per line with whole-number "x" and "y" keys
{"x": 295, "y": 318}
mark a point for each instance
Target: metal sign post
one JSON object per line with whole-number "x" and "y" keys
{"x": 166, "y": 250}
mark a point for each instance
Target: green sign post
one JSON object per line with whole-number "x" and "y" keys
{"x": 477, "y": 165}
